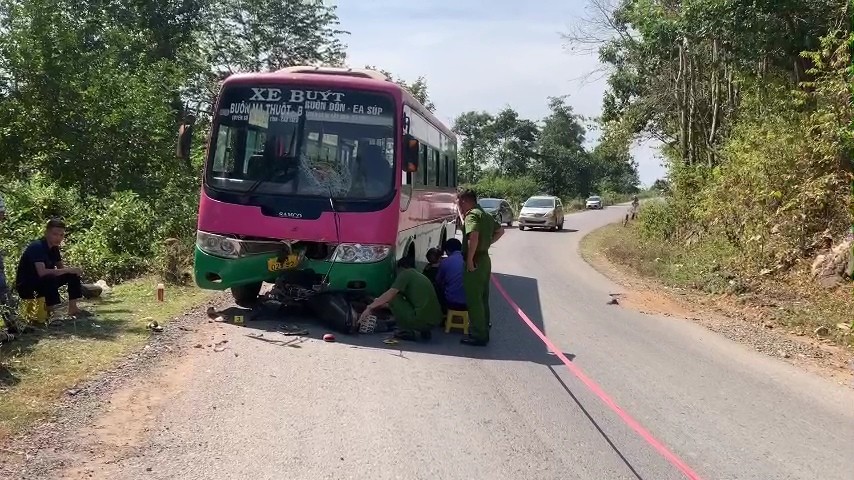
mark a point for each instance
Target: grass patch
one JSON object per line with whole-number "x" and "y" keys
{"x": 710, "y": 268}
{"x": 37, "y": 369}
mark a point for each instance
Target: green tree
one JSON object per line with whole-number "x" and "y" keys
{"x": 514, "y": 140}
{"x": 264, "y": 35}
{"x": 89, "y": 91}
{"x": 476, "y": 146}
{"x": 660, "y": 185}
{"x": 756, "y": 131}
{"x": 563, "y": 167}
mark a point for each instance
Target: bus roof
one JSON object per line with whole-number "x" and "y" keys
{"x": 331, "y": 77}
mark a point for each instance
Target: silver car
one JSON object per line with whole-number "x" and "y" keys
{"x": 595, "y": 203}
{"x": 541, "y": 212}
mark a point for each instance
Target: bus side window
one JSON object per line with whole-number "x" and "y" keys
{"x": 425, "y": 172}
{"x": 434, "y": 168}
{"x": 421, "y": 173}
{"x": 445, "y": 176}
{"x": 452, "y": 171}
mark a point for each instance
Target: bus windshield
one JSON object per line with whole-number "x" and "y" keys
{"x": 290, "y": 140}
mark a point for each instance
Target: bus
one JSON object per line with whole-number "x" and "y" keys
{"x": 333, "y": 173}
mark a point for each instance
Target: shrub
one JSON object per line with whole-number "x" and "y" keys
{"x": 114, "y": 239}
{"x": 657, "y": 221}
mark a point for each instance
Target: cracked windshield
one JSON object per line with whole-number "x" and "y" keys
{"x": 298, "y": 141}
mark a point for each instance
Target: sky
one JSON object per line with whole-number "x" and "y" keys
{"x": 484, "y": 55}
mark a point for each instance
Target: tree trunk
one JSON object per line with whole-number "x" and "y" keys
{"x": 682, "y": 97}
{"x": 715, "y": 102}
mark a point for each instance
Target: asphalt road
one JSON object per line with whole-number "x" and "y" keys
{"x": 357, "y": 409}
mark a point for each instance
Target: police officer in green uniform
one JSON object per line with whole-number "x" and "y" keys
{"x": 412, "y": 301}
{"x": 480, "y": 231}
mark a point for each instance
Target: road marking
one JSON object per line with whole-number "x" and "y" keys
{"x": 598, "y": 391}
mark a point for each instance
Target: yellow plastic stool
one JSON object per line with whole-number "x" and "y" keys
{"x": 457, "y": 319}
{"x": 33, "y": 310}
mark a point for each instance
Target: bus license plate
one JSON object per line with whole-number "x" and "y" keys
{"x": 274, "y": 265}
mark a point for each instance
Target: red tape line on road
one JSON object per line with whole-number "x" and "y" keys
{"x": 597, "y": 390}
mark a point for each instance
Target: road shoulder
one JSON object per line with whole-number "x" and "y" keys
{"x": 725, "y": 315}
{"x": 108, "y": 419}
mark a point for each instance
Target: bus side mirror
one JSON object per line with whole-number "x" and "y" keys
{"x": 410, "y": 154}
{"x": 185, "y": 139}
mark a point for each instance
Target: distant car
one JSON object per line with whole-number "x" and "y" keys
{"x": 595, "y": 203}
{"x": 542, "y": 211}
{"x": 499, "y": 208}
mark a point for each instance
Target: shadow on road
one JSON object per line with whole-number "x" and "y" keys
{"x": 510, "y": 337}
{"x": 596, "y": 425}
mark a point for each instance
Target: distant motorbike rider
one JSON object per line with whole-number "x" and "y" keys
{"x": 635, "y": 205}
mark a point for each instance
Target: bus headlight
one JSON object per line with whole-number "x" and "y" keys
{"x": 358, "y": 253}
{"x": 217, "y": 245}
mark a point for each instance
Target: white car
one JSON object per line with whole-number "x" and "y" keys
{"x": 595, "y": 202}
{"x": 541, "y": 212}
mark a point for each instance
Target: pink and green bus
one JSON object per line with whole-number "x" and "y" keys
{"x": 334, "y": 173}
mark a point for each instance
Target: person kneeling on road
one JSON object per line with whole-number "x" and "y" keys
{"x": 412, "y": 301}
{"x": 41, "y": 272}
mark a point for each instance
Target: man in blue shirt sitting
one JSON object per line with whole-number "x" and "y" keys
{"x": 41, "y": 272}
{"x": 449, "y": 278}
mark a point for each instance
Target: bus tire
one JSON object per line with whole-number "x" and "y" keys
{"x": 246, "y": 296}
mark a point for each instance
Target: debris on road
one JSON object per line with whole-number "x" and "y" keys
{"x": 613, "y": 300}
{"x": 293, "y": 330}
{"x": 154, "y": 326}
{"x": 329, "y": 337}
{"x": 822, "y": 331}
{"x": 73, "y": 391}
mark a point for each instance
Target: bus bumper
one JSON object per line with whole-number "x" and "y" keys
{"x": 215, "y": 273}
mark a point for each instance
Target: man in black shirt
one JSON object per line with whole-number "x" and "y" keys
{"x": 41, "y": 272}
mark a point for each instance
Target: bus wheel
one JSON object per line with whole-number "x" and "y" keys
{"x": 522, "y": 228}
{"x": 246, "y": 296}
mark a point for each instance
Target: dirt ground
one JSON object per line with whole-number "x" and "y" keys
{"x": 726, "y": 316}
{"x": 107, "y": 420}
